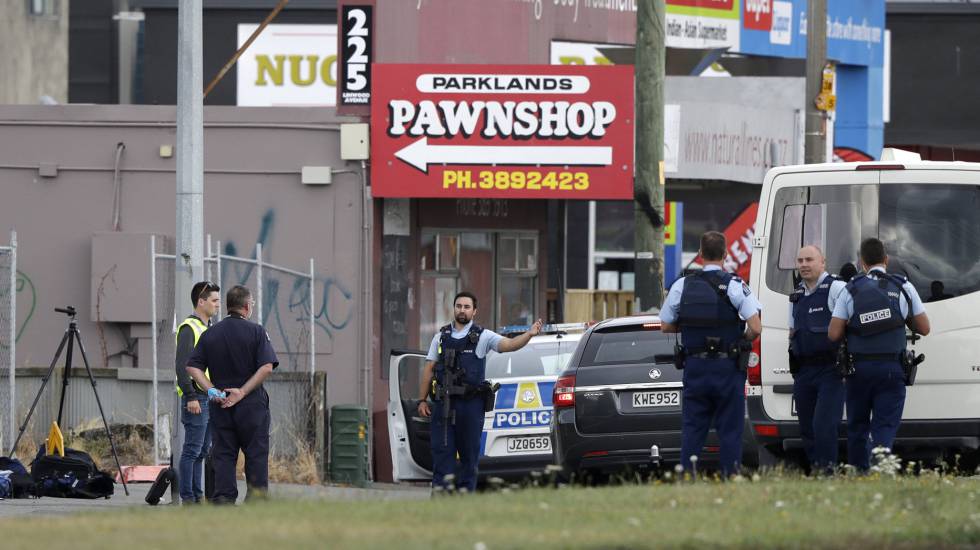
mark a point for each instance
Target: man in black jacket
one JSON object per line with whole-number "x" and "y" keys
{"x": 239, "y": 357}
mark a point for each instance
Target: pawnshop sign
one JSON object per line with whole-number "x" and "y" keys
{"x": 494, "y": 131}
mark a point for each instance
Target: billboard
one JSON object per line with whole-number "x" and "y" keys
{"x": 702, "y": 24}
{"x": 288, "y": 65}
{"x": 502, "y": 131}
{"x": 855, "y": 29}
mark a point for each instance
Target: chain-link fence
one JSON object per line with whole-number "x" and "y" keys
{"x": 284, "y": 306}
{"x": 8, "y": 342}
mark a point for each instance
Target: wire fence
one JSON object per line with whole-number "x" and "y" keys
{"x": 284, "y": 306}
{"x": 8, "y": 342}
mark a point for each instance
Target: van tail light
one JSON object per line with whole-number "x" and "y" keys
{"x": 564, "y": 393}
{"x": 755, "y": 363}
{"x": 767, "y": 430}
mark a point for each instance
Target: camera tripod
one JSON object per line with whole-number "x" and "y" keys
{"x": 71, "y": 336}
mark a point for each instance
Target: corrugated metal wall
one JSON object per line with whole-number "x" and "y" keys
{"x": 126, "y": 399}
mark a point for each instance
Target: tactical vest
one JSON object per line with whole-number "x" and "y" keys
{"x": 811, "y": 319}
{"x": 474, "y": 368}
{"x": 197, "y": 328}
{"x": 706, "y": 311}
{"x": 877, "y": 326}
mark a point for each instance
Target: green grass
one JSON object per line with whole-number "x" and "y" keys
{"x": 780, "y": 512}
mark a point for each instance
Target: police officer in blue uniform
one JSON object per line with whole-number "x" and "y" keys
{"x": 711, "y": 310}
{"x": 239, "y": 357}
{"x": 461, "y": 347}
{"x": 818, "y": 388}
{"x": 873, "y": 314}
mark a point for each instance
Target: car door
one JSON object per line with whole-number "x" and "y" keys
{"x": 408, "y": 432}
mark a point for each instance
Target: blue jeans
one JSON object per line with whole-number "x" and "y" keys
{"x": 197, "y": 441}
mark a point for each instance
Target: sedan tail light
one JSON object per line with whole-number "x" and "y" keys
{"x": 564, "y": 393}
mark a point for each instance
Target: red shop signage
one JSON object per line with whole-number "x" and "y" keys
{"x": 502, "y": 131}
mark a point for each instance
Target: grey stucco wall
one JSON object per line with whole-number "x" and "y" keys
{"x": 253, "y": 193}
{"x": 33, "y": 53}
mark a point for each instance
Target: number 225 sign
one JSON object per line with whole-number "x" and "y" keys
{"x": 355, "y": 55}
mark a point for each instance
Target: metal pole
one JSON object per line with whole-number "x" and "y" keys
{"x": 367, "y": 279}
{"x": 11, "y": 375}
{"x": 312, "y": 326}
{"x": 258, "y": 281}
{"x": 816, "y": 57}
{"x": 189, "y": 262}
{"x": 218, "y": 260}
{"x": 153, "y": 334}
{"x": 648, "y": 183}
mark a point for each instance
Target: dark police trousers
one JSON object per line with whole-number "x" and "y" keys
{"x": 713, "y": 389}
{"x": 819, "y": 394}
{"x": 244, "y": 427}
{"x": 875, "y": 401}
{"x": 464, "y": 437}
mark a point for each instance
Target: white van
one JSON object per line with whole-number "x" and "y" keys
{"x": 928, "y": 216}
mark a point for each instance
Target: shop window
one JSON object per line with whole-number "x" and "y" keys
{"x": 440, "y": 252}
{"x": 517, "y": 264}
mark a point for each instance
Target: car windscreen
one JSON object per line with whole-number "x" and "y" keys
{"x": 630, "y": 345}
{"x": 534, "y": 359}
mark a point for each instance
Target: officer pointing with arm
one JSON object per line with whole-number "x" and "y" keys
{"x": 818, "y": 388}
{"x": 872, "y": 315}
{"x": 711, "y": 310}
{"x": 239, "y": 357}
{"x": 457, "y": 355}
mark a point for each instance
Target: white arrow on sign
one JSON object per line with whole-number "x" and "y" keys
{"x": 420, "y": 155}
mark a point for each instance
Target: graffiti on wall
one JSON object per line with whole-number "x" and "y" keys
{"x": 286, "y": 298}
{"x": 26, "y": 295}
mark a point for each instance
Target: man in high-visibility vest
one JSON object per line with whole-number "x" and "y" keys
{"x": 194, "y": 415}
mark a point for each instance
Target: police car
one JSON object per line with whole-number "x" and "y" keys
{"x": 515, "y": 438}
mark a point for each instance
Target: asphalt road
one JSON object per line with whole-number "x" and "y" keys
{"x": 137, "y": 491}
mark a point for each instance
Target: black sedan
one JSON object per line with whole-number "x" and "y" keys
{"x": 617, "y": 406}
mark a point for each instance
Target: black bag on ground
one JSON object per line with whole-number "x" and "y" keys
{"x": 160, "y": 486}
{"x": 74, "y": 475}
{"x": 22, "y": 484}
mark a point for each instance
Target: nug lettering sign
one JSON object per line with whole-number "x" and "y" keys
{"x": 288, "y": 65}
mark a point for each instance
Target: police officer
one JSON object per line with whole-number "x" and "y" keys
{"x": 466, "y": 345}
{"x": 873, "y": 314}
{"x": 818, "y": 388}
{"x": 239, "y": 357}
{"x": 194, "y": 410}
{"x": 710, "y": 310}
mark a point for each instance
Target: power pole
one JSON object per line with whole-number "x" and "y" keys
{"x": 648, "y": 182}
{"x": 189, "y": 264}
{"x": 815, "y": 144}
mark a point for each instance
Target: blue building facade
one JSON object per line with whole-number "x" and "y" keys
{"x": 855, "y": 41}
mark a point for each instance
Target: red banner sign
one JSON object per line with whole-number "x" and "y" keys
{"x": 739, "y": 235}
{"x": 502, "y": 131}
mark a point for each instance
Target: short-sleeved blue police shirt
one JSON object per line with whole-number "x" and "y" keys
{"x": 738, "y": 292}
{"x": 488, "y": 341}
{"x": 844, "y": 308}
{"x": 232, "y": 351}
{"x": 836, "y": 287}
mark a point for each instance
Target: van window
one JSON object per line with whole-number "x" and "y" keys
{"x": 932, "y": 236}
{"x": 833, "y": 217}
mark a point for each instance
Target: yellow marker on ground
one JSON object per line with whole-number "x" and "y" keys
{"x": 56, "y": 441}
